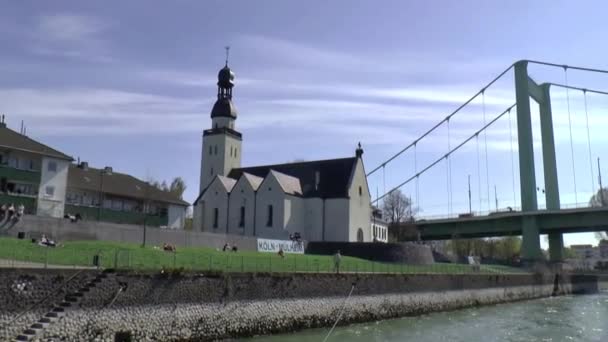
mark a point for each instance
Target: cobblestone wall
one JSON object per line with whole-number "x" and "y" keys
{"x": 203, "y": 307}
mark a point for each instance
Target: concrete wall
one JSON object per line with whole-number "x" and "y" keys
{"x": 53, "y": 205}
{"x": 359, "y": 205}
{"x": 409, "y": 253}
{"x": 197, "y": 307}
{"x": 62, "y": 230}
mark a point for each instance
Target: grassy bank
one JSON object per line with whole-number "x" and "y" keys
{"x": 132, "y": 256}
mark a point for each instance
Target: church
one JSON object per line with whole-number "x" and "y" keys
{"x": 323, "y": 200}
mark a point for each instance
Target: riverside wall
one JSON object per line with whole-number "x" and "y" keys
{"x": 201, "y": 307}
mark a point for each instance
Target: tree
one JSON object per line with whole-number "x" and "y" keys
{"x": 600, "y": 199}
{"x": 397, "y": 207}
{"x": 178, "y": 186}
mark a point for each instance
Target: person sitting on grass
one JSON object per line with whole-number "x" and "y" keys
{"x": 281, "y": 253}
{"x": 3, "y": 211}
{"x": 234, "y": 248}
{"x": 226, "y": 247}
{"x": 11, "y": 211}
{"x": 44, "y": 241}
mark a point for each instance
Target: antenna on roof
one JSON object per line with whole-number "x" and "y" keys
{"x": 24, "y": 128}
{"x": 227, "y": 53}
{"x": 21, "y": 131}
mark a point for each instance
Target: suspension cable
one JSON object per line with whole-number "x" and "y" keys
{"x": 478, "y": 173}
{"x": 441, "y": 122}
{"x": 449, "y": 161}
{"x": 485, "y": 138}
{"x": 449, "y": 153}
{"x": 571, "y": 142}
{"x": 589, "y": 143}
{"x": 417, "y": 178}
{"x": 577, "y": 88}
{"x": 568, "y": 66}
{"x": 512, "y": 162}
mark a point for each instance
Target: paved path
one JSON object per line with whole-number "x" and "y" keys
{"x": 8, "y": 263}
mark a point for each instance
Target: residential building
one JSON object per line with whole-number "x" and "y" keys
{"x": 323, "y": 200}
{"x": 603, "y": 249}
{"x": 32, "y": 174}
{"x": 47, "y": 183}
{"x": 585, "y": 251}
{"x": 379, "y": 227}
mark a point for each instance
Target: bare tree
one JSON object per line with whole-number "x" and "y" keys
{"x": 600, "y": 199}
{"x": 178, "y": 186}
{"x": 397, "y": 207}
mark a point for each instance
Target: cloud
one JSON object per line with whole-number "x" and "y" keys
{"x": 71, "y": 36}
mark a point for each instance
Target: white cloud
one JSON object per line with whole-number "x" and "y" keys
{"x": 71, "y": 36}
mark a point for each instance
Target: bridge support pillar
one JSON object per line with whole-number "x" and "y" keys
{"x": 530, "y": 244}
{"x": 556, "y": 247}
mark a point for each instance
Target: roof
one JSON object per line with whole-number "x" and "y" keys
{"x": 254, "y": 181}
{"x": 228, "y": 183}
{"x": 332, "y": 180}
{"x": 118, "y": 184}
{"x": 13, "y": 140}
{"x": 224, "y": 107}
{"x": 289, "y": 184}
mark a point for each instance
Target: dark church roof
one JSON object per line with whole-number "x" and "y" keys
{"x": 224, "y": 107}
{"x": 333, "y": 179}
{"x": 13, "y": 140}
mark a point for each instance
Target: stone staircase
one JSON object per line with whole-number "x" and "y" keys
{"x": 71, "y": 300}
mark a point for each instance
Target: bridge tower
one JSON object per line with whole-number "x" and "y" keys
{"x": 525, "y": 88}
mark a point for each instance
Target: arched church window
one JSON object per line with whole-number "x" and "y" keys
{"x": 360, "y": 191}
{"x": 360, "y": 235}
{"x": 210, "y": 150}
{"x": 269, "y": 218}
{"x": 215, "y": 148}
{"x": 235, "y": 152}
{"x": 216, "y": 215}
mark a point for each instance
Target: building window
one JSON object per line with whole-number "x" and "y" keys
{"x": 242, "y": 217}
{"x": 360, "y": 191}
{"x": 210, "y": 150}
{"x": 269, "y": 218}
{"x": 215, "y": 149}
{"x": 31, "y": 165}
{"x": 216, "y": 216}
{"x": 49, "y": 191}
{"x": 231, "y": 151}
{"x": 235, "y": 152}
{"x": 360, "y": 235}
{"x": 52, "y": 166}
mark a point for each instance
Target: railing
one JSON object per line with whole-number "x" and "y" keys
{"x": 115, "y": 216}
{"x": 156, "y": 260}
{"x": 14, "y": 174}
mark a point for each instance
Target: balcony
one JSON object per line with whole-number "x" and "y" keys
{"x": 89, "y": 213}
{"x": 12, "y": 174}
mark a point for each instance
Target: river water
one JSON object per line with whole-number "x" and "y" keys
{"x": 567, "y": 318}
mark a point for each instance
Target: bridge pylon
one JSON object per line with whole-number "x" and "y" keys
{"x": 525, "y": 87}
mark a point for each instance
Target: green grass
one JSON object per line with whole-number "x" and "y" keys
{"x": 132, "y": 256}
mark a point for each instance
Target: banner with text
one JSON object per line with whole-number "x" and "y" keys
{"x": 273, "y": 246}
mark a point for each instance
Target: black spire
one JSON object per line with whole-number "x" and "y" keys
{"x": 225, "y": 82}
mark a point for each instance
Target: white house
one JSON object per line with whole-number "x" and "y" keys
{"x": 324, "y": 200}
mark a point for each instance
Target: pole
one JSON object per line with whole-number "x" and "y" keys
{"x": 143, "y": 243}
{"x": 470, "y": 208}
{"x": 599, "y": 172}
{"x": 100, "y": 195}
{"x": 495, "y": 197}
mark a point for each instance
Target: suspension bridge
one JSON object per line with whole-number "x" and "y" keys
{"x": 527, "y": 220}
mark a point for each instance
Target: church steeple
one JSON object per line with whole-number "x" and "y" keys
{"x": 225, "y": 82}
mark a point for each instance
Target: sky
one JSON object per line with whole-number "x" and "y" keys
{"x": 131, "y": 85}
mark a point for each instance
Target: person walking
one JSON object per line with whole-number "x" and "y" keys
{"x": 337, "y": 259}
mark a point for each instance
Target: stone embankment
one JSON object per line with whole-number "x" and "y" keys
{"x": 201, "y": 307}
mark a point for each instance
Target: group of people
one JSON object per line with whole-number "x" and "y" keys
{"x": 169, "y": 248}
{"x": 46, "y": 242}
{"x": 73, "y": 218}
{"x": 227, "y": 248}
{"x": 11, "y": 213}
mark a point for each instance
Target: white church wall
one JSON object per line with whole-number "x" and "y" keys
{"x": 221, "y": 153}
{"x": 197, "y": 216}
{"x": 313, "y": 219}
{"x": 293, "y": 219}
{"x": 359, "y": 204}
{"x": 242, "y": 195}
{"x": 270, "y": 194}
{"x": 336, "y": 219}
{"x": 215, "y": 197}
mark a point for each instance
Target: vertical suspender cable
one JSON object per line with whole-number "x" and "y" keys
{"x": 478, "y": 172}
{"x": 449, "y": 170}
{"x": 589, "y": 143}
{"x": 383, "y": 179}
{"x": 485, "y": 138}
{"x": 512, "y": 163}
{"x": 416, "y": 172}
{"x": 571, "y": 142}
{"x": 447, "y": 181}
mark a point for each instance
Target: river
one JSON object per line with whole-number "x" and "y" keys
{"x": 567, "y": 318}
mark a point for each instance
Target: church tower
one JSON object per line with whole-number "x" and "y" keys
{"x": 222, "y": 143}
